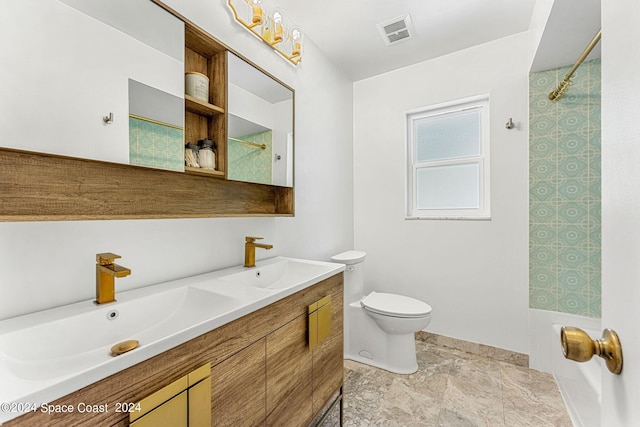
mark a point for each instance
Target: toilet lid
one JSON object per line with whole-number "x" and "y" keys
{"x": 395, "y": 305}
{"x": 349, "y": 257}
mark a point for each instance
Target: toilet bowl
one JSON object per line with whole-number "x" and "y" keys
{"x": 379, "y": 327}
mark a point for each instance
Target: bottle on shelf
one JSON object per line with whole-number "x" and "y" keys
{"x": 191, "y": 155}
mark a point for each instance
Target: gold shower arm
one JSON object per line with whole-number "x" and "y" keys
{"x": 563, "y": 87}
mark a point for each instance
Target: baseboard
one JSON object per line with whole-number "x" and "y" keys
{"x": 507, "y": 356}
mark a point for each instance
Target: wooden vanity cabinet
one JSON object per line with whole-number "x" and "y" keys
{"x": 301, "y": 381}
{"x": 238, "y": 394}
{"x": 289, "y": 375}
{"x": 262, "y": 370}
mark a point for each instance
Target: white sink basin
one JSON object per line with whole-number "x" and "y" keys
{"x": 46, "y": 355}
{"x": 59, "y": 347}
{"x": 277, "y": 274}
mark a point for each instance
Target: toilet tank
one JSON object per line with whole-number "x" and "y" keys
{"x": 353, "y": 275}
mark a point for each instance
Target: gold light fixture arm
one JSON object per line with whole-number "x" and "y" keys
{"x": 563, "y": 87}
{"x": 279, "y": 33}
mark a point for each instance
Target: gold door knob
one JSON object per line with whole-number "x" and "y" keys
{"x": 577, "y": 345}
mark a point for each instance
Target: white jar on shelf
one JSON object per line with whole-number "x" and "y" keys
{"x": 196, "y": 85}
{"x": 207, "y": 154}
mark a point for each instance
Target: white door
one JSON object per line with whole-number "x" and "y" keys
{"x": 621, "y": 205}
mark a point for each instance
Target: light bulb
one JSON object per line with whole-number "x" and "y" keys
{"x": 278, "y": 28}
{"x": 296, "y": 35}
{"x": 257, "y": 13}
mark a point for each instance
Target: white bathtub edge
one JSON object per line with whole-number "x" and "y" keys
{"x": 545, "y": 354}
{"x": 579, "y": 384}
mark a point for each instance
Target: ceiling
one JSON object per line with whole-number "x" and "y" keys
{"x": 347, "y": 30}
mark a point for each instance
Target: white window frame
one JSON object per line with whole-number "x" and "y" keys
{"x": 480, "y": 103}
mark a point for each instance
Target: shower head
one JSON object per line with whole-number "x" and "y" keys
{"x": 562, "y": 88}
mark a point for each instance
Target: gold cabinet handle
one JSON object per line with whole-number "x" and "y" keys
{"x": 313, "y": 329}
{"x": 197, "y": 407}
{"x": 319, "y": 321}
{"x": 577, "y": 345}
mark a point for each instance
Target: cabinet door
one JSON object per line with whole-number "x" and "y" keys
{"x": 289, "y": 375}
{"x": 172, "y": 413}
{"x": 328, "y": 358}
{"x": 238, "y": 388}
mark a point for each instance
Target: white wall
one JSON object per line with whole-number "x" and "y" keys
{"x": 620, "y": 207}
{"x": 541, "y": 12}
{"x": 46, "y": 264}
{"x": 474, "y": 274}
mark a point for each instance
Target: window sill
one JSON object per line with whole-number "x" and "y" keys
{"x": 454, "y": 218}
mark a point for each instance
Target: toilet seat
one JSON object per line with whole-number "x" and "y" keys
{"x": 395, "y": 305}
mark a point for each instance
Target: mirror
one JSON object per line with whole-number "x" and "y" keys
{"x": 74, "y": 63}
{"x": 68, "y": 65}
{"x": 260, "y": 126}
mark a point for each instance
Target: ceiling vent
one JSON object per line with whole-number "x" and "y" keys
{"x": 395, "y": 30}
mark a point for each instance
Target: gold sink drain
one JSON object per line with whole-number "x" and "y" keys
{"x": 124, "y": 347}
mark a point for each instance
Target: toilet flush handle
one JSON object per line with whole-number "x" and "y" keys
{"x": 351, "y": 268}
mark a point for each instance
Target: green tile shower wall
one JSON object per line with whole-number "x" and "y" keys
{"x": 250, "y": 163}
{"x": 564, "y": 193}
{"x": 155, "y": 145}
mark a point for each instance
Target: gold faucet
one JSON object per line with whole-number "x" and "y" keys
{"x": 106, "y": 272}
{"x": 250, "y": 250}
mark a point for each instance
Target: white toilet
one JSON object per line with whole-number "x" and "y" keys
{"x": 379, "y": 328}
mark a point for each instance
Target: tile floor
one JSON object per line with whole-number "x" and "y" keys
{"x": 452, "y": 388}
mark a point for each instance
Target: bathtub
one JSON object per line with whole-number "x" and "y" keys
{"x": 579, "y": 383}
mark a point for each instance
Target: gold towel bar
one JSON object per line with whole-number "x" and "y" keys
{"x": 255, "y": 144}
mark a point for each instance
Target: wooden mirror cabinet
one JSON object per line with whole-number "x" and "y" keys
{"x": 43, "y": 187}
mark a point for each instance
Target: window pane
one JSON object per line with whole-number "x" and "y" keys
{"x": 447, "y": 137}
{"x": 449, "y": 187}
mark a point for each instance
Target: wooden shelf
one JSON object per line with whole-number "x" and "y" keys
{"x": 200, "y": 107}
{"x": 207, "y": 119}
{"x": 65, "y": 188}
{"x": 203, "y": 172}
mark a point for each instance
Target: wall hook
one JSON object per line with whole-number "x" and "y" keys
{"x": 108, "y": 119}
{"x": 510, "y": 124}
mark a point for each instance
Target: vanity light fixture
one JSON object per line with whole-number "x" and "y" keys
{"x": 266, "y": 21}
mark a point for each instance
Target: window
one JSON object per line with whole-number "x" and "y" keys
{"x": 448, "y": 160}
